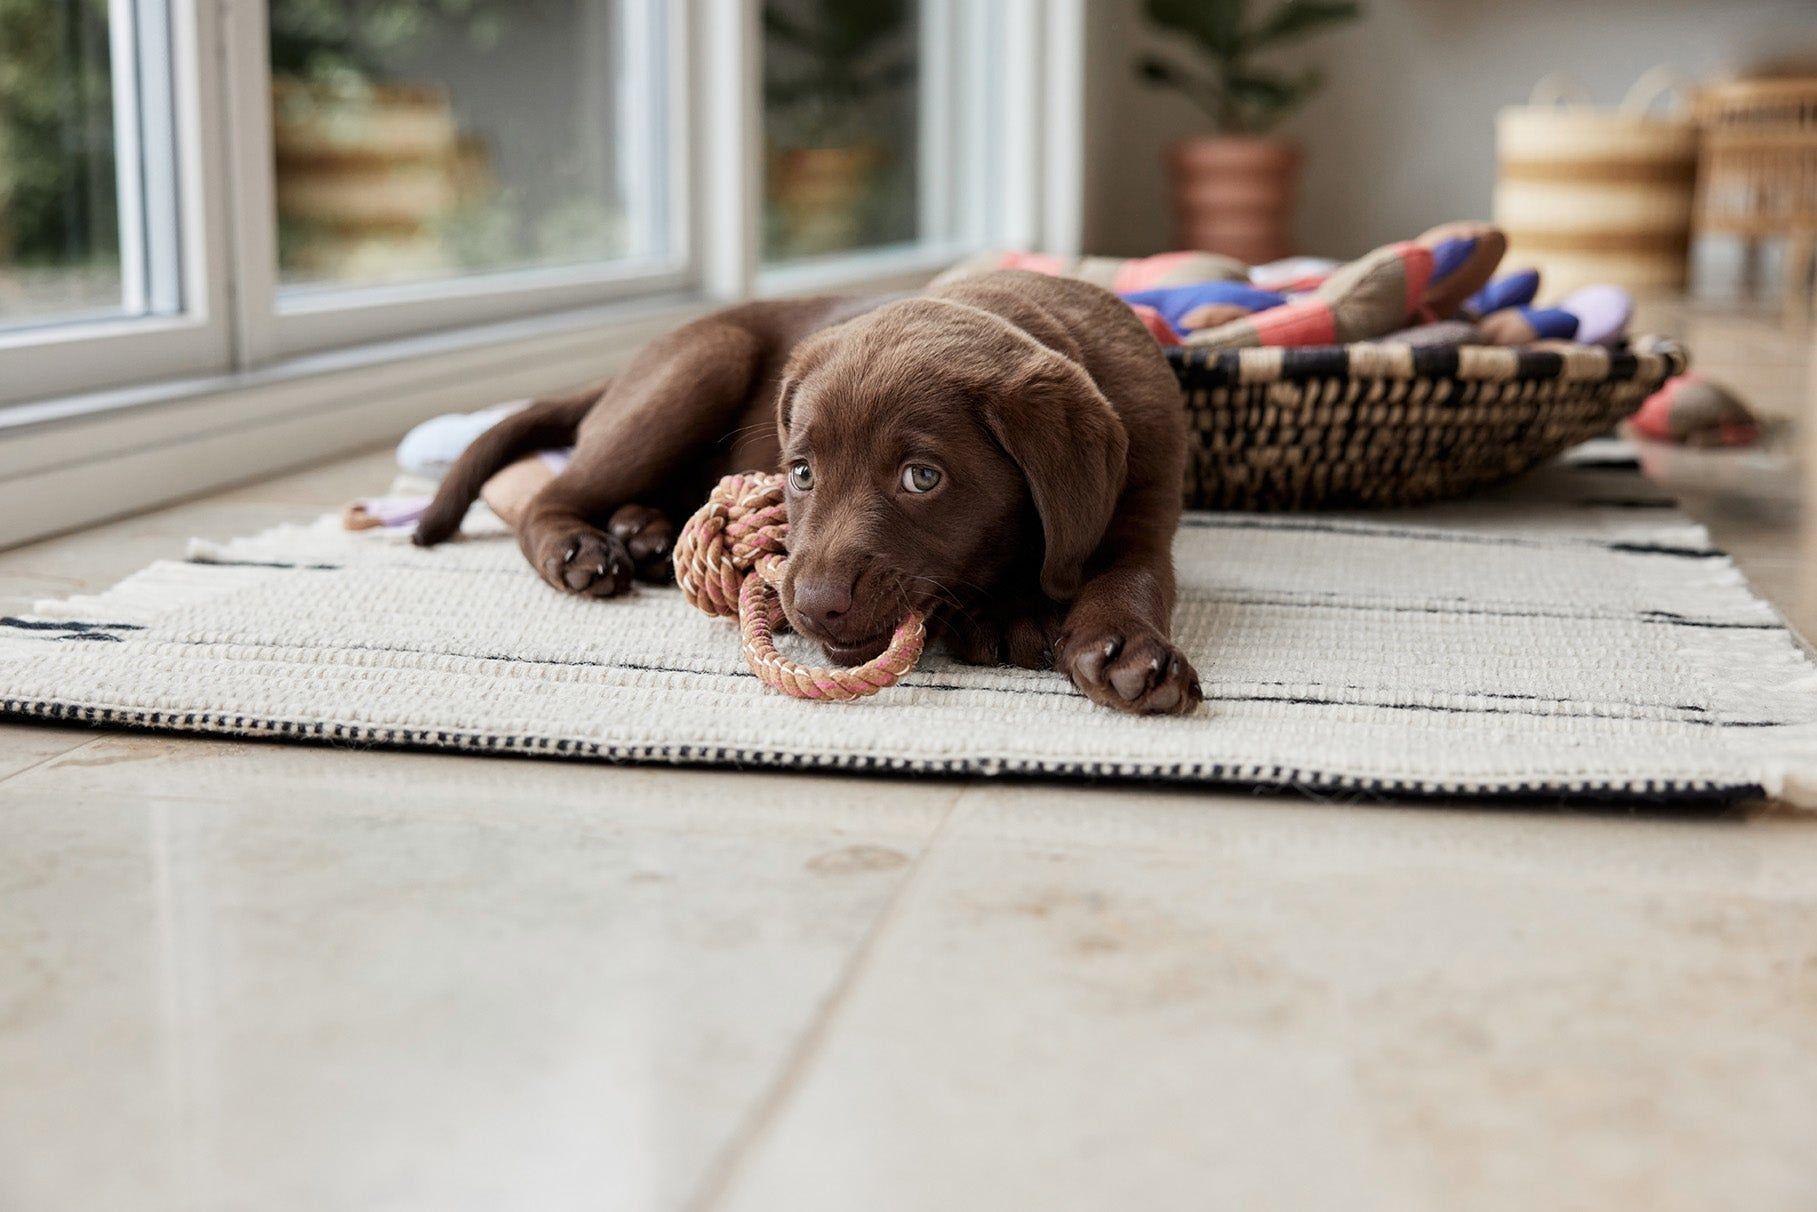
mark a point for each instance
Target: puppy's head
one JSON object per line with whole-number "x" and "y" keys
{"x": 931, "y": 452}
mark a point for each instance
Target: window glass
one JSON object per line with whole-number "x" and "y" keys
{"x": 59, "y": 198}
{"x": 842, "y": 98}
{"x": 423, "y": 138}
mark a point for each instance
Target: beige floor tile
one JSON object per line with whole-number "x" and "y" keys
{"x": 329, "y": 486}
{"x": 95, "y": 558}
{"x": 1181, "y": 1001}
{"x": 20, "y": 591}
{"x": 245, "y": 976}
{"x": 23, "y": 746}
{"x": 224, "y": 770}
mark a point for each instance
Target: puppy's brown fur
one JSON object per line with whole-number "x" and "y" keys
{"x": 1045, "y": 411}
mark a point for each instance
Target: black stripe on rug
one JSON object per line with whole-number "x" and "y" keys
{"x": 1365, "y": 531}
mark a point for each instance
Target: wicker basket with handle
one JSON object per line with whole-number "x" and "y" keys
{"x": 1588, "y": 194}
{"x": 1380, "y": 425}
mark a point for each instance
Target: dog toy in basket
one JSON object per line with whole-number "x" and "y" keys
{"x": 729, "y": 561}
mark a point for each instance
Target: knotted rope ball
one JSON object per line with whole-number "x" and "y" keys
{"x": 729, "y": 561}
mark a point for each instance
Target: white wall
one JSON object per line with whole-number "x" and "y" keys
{"x": 1401, "y": 137}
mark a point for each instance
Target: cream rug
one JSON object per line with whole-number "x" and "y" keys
{"x": 1572, "y": 635}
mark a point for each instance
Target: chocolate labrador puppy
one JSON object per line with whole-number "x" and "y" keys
{"x": 1003, "y": 453}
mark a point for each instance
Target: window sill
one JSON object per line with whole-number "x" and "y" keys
{"x": 77, "y": 460}
{"x": 898, "y": 267}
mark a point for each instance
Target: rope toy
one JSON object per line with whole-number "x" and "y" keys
{"x": 729, "y": 560}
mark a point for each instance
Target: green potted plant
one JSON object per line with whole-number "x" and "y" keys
{"x": 1234, "y": 189}
{"x": 827, "y": 64}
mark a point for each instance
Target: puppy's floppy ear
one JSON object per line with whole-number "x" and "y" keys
{"x": 785, "y": 406}
{"x": 1073, "y": 451}
{"x": 807, "y": 358}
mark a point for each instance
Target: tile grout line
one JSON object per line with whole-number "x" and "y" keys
{"x": 752, "y": 1133}
{"x": 61, "y": 753}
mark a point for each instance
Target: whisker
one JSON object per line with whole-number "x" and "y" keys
{"x": 730, "y": 437}
{"x": 946, "y": 601}
{"x": 946, "y": 591}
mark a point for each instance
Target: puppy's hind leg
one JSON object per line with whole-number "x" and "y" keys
{"x": 546, "y": 423}
{"x": 582, "y": 533}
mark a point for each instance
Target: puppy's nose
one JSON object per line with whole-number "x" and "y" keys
{"x": 823, "y": 601}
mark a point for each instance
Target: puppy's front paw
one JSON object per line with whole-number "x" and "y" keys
{"x": 584, "y": 561}
{"x": 1023, "y": 636}
{"x": 1134, "y": 669}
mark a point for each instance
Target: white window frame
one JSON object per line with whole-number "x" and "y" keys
{"x": 235, "y": 386}
{"x": 170, "y": 218}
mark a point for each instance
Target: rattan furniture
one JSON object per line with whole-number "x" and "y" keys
{"x": 1757, "y": 175}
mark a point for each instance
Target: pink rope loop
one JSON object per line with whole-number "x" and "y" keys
{"x": 729, "y": 559}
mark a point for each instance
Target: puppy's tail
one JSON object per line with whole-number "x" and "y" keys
{"x": 540, "y": 426}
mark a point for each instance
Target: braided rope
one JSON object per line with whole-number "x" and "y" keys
{"x": 729, "y": 560}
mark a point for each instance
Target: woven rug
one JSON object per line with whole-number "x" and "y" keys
{"x": 1572, "y": 635}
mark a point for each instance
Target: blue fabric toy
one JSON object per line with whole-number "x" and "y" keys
{"x": 1520, "y": 325}
{"x": 1204, "y": 304}
{"x": 1517, "y": 289}
{"x": 1448, "y": 256}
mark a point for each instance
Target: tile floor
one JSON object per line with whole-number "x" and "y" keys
{"x": 256, "y": 976}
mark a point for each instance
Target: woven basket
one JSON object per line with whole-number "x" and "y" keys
{"x": 1379, "y": 425}
{"x": 1588, "y": 194}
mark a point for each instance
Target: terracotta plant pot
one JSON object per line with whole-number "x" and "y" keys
{"x": 1235, "y": 195}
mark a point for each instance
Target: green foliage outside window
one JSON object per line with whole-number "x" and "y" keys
{"x": 57, "y": 200}
{"x": 355, "y": 42}
{"x": 837, "y": 57}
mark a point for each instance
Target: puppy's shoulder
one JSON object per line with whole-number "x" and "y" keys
{"x": 1084, "y": 322}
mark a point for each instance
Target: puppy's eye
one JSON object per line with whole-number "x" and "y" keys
{"x": 919, "y": 478}
{"x": 801, "y": 477}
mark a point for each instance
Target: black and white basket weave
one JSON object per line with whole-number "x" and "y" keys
{"x": 1380, "y": 425}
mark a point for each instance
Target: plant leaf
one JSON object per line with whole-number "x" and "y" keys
{"x": 1153, "y": 69}
{"x": 1267, "y": 97}
{"x": 1275, "y": 88}
{"x": 1217, "y": 25}
{"x": 1299, "y": 19}
{"x": 784, "y": 28}
{"x": 892, "y": 75}
{"x": 1200, "y": 90}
